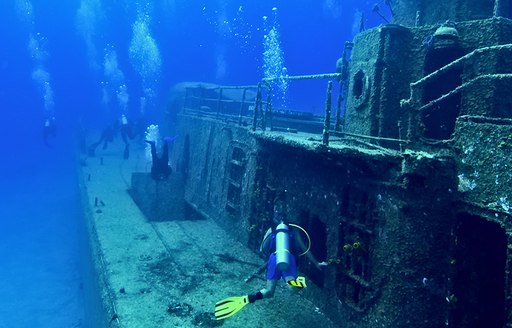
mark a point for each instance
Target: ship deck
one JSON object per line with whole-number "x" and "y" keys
{"x": 171, "y": 273}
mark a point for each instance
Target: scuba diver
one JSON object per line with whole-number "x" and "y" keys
{"x": 160, "y": 168}
{"x": 49, "y": 130}
{"x": 107, "y": 135}
{"x": 126, "y": 131}
{"x": 281, "y": 246}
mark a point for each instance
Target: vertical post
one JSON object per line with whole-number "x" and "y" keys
{"x": 260, "y": 112}
{"x": 219, "y": 102}
{"x": 498, "y": 8}
{"x": 242, "y": 108}
{"x": 411, "y": 117}
{"x": 411, "y": 107}
{"x": 399, "y": 126}
{"x": 417, "y": 21}
{"x": 343, "y": 83}
{"x": 268, "y": 108}
{"x": 337, "y": 126}
{"x": 361, "y": 23}
{"x": 256, "y": 105}
{"x": 327, "y": 122}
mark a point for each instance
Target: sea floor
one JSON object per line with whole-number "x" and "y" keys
{"x": 171, "y": 273}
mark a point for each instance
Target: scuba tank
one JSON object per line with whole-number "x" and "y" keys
{"x": 282, "y": 247}
{"x": 124, "y": 120}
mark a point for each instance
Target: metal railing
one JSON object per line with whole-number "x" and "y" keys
{"x": 267, "y": 115}
{"x": 414, "y": 103}
{"x": 214, "y": 101}
{"x": 416, "y": 87}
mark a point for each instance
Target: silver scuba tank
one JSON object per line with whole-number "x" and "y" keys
{"x": 282, "y": 247}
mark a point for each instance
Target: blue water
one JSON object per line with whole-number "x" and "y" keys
{"x": 40, "y": 275}
{"x": 85, "y": 62}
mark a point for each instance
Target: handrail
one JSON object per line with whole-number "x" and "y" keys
{"x": 201, "y": 99}
{"x": 464, "y": 86}
{"x": 302, "y": 77}
{"x": 415, "y": 85}
{"x": 414, "y": 106}
{"x": 262, "y": 115}
{"x": 216, "y": 99}
{"x": 226, "y": 87}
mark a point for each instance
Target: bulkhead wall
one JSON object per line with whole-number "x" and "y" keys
{"x": 217, "y": 161}
{"x": 487, "y": 93}
{"x": 359, "y": 115}
{"x": 379, "y": 75}
{"x": 381, "y": 222}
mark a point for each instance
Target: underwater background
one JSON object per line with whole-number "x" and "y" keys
{"x": 85, "y": 62}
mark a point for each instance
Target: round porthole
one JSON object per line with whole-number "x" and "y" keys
{"x": 360, "y": 89}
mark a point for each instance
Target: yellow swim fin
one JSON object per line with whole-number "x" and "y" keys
{"x": 229, "y": 306}
{"x": 300, "y": 282}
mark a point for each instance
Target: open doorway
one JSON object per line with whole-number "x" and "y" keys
{"x": 318, "y": 234}
{"x": 479, "y": 277}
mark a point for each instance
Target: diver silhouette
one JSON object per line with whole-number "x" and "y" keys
{"x": 160, "y": 168}
{"x": 49, "y": 130}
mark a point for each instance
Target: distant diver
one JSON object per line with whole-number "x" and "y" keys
{"x": 280, "y": 245}
{"x": 49, "y": 130}
{"x": 107, "y": 135}
{"x": 126, "y": 132}
{"x": 160, "y": 168}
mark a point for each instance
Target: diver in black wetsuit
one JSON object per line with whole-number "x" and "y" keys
{"x": 126, "y": 130}
{"x": 160, "y": 168}
{"x": 49, "y": 130}
{"x": 107, "y": 135}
